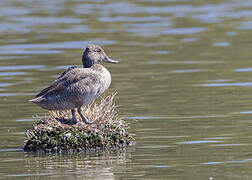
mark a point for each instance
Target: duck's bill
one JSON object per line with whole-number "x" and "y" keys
{"x": 107, "y": 59}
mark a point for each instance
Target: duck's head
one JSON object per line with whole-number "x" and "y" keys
{"x": 94, "y": 54}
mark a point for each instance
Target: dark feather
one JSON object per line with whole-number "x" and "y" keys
{"x": 56, "y": 84}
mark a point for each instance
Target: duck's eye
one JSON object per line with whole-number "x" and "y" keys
{"x": 87, "y": 49}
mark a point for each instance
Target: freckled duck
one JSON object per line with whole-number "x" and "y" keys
{"x": 78, "y": 87}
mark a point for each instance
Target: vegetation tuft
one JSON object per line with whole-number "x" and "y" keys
{"x": 55, "y": 133}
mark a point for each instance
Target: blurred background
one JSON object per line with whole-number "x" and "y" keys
{"x": 184, "y": 83}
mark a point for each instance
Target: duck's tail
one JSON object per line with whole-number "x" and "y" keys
{"x": 35, "y": 100}
{"x": 42, "y": 102}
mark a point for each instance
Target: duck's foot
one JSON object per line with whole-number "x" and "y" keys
{"x": 84, "y": 119}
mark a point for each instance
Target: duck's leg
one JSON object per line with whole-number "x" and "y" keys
{"x": 84, "y": 119}
{"x": 74, "y": 116}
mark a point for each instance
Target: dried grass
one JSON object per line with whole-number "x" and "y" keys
{"x": 54, "y": 133}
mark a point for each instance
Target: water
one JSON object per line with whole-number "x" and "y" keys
{"x": 184, "y": 83}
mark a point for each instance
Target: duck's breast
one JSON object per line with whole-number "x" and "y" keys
{"x": 94, "y": 82}
{"x": 104, "y": 78}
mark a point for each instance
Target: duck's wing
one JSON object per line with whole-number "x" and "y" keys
{"x": 58, "y": 83}
{"x": 68, "y": 69}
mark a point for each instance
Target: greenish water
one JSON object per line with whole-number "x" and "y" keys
{"x": 184, "y": 83}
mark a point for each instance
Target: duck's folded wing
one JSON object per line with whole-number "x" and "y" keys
{"x": 57, "y": 84}
{"x": 68, "y": 69}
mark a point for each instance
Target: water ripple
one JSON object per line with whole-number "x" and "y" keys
{"x": 5, "y": 84}
{"x": 189, "y": 39}
{"x": 132, "y": 19}
{"x": 212, "y": 163}
{"x": 199, "y": 142}
{"x": 243, "y": 69}
{"x": 20, "y": 51}
{"x": 46, "y": 20}
{"x": 12, "y": 73}
{"x": 244, "y": 84}
{"x": 246, "y": 112}
{"x": 221, "y": 44}
{"x": 57, "y": 45}
{"x": 234, "y": 161}
{"x": 18, "y": 67}
{"x": 179, "y": 31}
{"x": 245, "y": 25}
{"x": 161, "y": 166}
{"x": 187, "y": 71}
{"x": 223, "y": 145}
{"x": 29, "y": 175}
{"x": 11, "y": 150}
{"x": 15, "y": 94}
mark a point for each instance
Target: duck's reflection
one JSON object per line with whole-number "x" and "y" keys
{"x": 100, "y": 165}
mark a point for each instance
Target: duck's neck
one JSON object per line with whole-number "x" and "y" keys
{"x": 87, "y": 63}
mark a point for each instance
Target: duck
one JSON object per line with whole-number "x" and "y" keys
{"x": 78, "y": 86}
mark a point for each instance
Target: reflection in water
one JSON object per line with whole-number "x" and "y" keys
{"x": 94, "y": 165}
{"x": 184, "y": 84}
